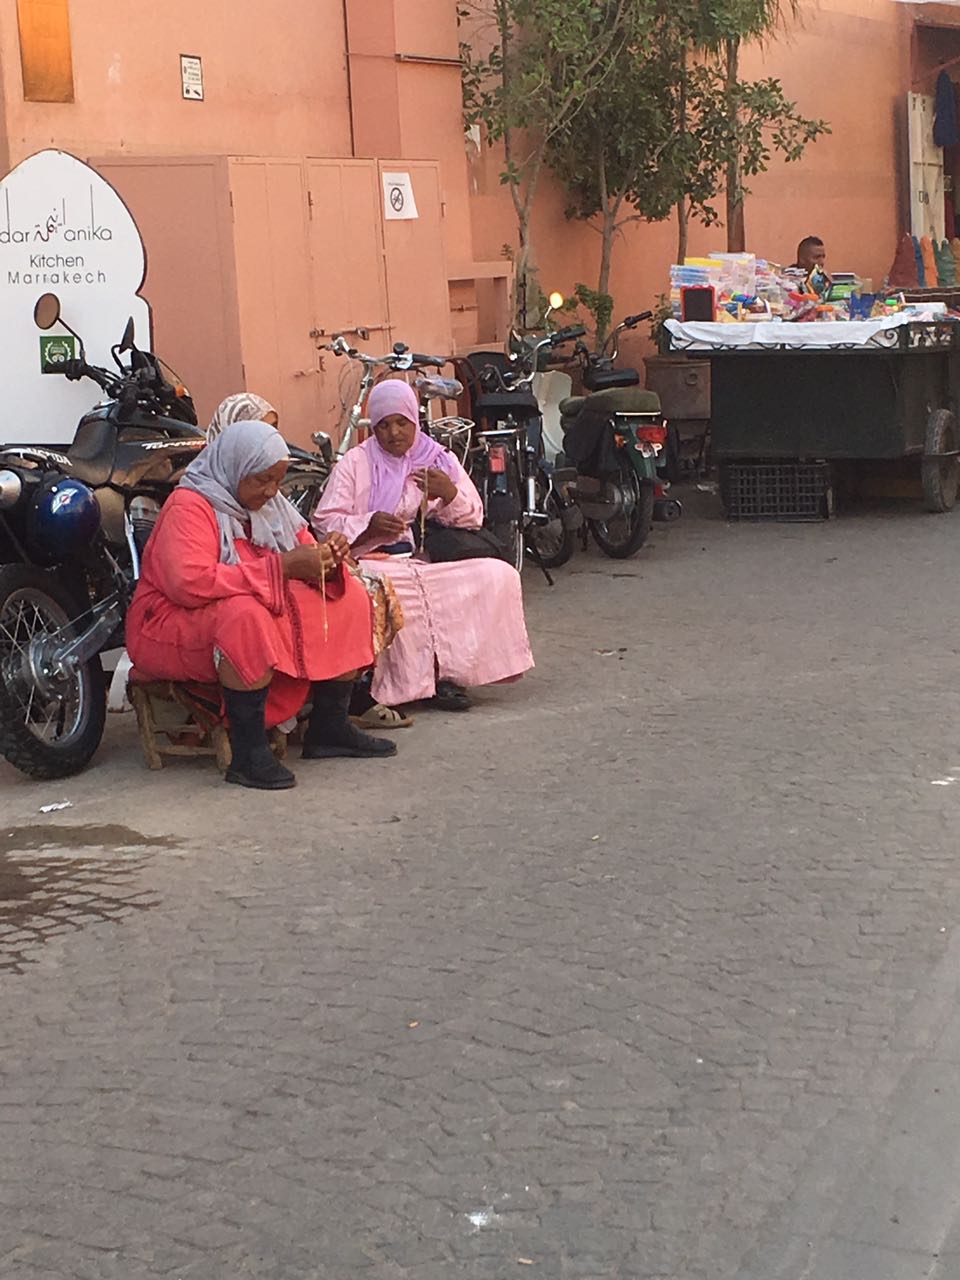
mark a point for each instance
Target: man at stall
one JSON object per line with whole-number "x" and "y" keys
{"x": 811, "y": 252}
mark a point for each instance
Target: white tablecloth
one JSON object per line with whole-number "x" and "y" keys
{"x": 711, "y": 336}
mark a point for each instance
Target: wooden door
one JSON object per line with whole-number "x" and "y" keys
{"x": 349, "y": 293}
{"x": 927, "y": 212}
{"x": 274, "y": 289}
{"x": 418, "y": 291}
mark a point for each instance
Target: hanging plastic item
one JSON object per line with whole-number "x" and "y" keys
{"x": 946, "y": 265}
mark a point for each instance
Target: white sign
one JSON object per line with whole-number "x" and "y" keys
{"x": 63, "y": 230}
{"x": 399, "y": 204}
{"x": 191, "y": 74}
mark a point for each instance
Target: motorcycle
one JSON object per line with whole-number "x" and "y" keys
{"x": 526, "y": 510}
{"x": 73, "y": 526}
{"x": 614, "y": 442}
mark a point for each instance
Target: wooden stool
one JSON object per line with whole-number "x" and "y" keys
{"x": 185, "y": 720}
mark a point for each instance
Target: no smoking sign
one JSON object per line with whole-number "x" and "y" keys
{"x": 399, "y": 203}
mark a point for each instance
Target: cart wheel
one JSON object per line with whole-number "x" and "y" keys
{"x": 940, "y": 475}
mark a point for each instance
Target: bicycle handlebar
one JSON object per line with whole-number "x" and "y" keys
{"x": 404, "y": 359}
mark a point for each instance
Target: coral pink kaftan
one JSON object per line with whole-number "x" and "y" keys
{"x": 189, "y": 604}
{"x": 464, "y": 618}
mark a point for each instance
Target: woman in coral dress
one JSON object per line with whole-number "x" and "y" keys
{"x": 235, "y": 589}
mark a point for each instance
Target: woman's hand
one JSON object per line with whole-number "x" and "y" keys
{"x": 436, "y": 484}
{"x": 385, "y": 527}
{"x": 338, "y": 544}
{"x": 310, "y": 562}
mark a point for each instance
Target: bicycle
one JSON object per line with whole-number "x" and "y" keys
{"x": 310, "y": 472}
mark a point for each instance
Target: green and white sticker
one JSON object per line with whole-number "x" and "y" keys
{"x": 55, "y": 351}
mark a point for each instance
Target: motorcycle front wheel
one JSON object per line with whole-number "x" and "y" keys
{"x": 50, "y": 726}
{"x": 625, "y": 534}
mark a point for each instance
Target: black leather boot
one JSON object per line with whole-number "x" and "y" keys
{"x": 329, "y": 731}
{"x": 253, "y": 763}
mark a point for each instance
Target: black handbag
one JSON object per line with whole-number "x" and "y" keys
{"x": 443, "y": 543}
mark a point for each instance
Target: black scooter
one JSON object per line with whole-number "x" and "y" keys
{"x": 615, "y": 442}
{"x": 72, "y": 529}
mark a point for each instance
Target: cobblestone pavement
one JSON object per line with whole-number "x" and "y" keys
{"x": 636, "y": 971}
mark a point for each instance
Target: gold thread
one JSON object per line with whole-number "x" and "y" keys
{"x": 323, "y": 597}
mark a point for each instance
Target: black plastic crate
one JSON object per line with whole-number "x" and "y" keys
{"x": 786, "y": 491}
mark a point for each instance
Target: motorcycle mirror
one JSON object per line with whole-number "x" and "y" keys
{"x": 126, "y": 342}
{"x": 47, "y": 311}
{"x": 556, "y": 301}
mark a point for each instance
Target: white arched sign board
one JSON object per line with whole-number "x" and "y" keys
{"x": 63, "y": 230}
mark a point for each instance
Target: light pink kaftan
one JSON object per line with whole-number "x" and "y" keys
{"x": 466, "y": 615}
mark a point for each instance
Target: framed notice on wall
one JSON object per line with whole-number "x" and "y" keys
{"x": 191, "y": 77}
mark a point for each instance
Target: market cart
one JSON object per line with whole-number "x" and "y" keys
{"x": 790, "y": 402}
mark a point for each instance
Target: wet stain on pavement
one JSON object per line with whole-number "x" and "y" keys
{"x": 48, "y": 888}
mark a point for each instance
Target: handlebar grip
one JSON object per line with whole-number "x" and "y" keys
{"x": 438, "y": 361}
{"x": 567, "y": 335}
{"x": 74, "y": 370}
{"x": 639, "y": 318}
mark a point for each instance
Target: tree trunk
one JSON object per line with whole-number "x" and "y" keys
{"x": 608, "y": 231}
{"x": 736, "y": 231}
{"x": 683, "y": 217}
{"x": 523, "y": 272}
{"x": 524, "y": 199}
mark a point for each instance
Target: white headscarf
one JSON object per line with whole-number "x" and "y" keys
{"x": 247, "y": 449}
{"x": 245, "y": 407}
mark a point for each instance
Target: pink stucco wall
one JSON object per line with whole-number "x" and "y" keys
{"x": 275, "y": 80}
{"x": 278, "y": 79}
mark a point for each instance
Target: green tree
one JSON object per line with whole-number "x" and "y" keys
{"x": 671, "y": 129}
{"x": 620, "y": 159}
{"x": 759, "y": 115}
{"x": 529, "y": 68}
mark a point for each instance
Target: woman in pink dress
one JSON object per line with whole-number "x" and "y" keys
{"x": 463, "y": 620}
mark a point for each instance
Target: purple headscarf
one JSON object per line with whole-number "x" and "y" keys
{"x": 389, "y": 475}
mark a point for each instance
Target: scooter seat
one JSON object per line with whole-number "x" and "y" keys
{"x": 500, "y": 404}
{"x": 622, "y": 400}
{"x": 570, "y": 407}
{"x": 604, "y": 379}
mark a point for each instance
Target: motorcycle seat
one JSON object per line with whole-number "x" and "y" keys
{"x": 297, "y": 454}
{"x": 93, "y": 452}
